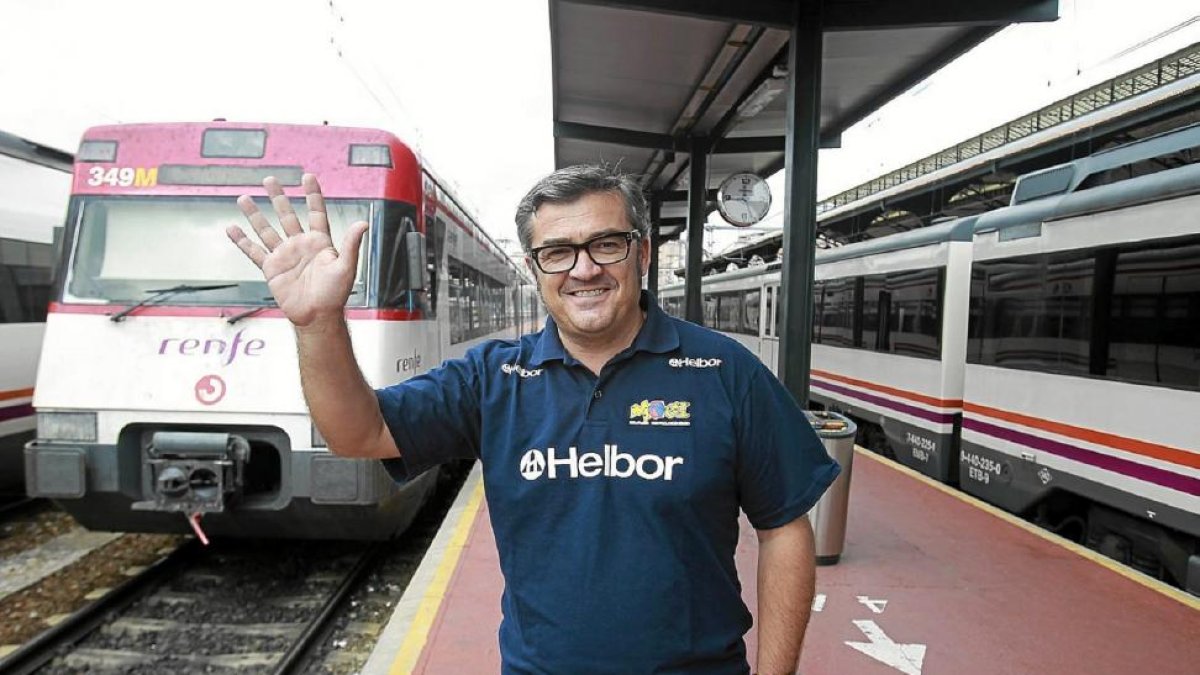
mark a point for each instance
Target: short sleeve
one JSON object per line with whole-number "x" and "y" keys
{"x": 783, "y": 468}
{"x": 434, "y": 417}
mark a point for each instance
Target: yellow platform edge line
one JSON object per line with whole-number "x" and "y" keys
{"x": 1133, "y": 575}
{"x": 418, "y": 632}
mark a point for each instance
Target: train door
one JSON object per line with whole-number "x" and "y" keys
{"x": 750, "y": 322}
{"x": 769, "y": 327}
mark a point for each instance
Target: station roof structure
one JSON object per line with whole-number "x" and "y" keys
{"x": 978, "y": 174}
{"x": 635, "y": 81}
{"x": 29, "y": 151}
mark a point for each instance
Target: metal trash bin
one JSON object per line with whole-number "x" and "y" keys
{"x": 829, "y": 515}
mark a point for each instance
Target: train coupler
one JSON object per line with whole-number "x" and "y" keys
{"x": 193, "y": 472}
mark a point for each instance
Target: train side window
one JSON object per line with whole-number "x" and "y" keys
{"x": 975, "y": 317}
{"x": 729, "y": 312}
{"x": 837, "y": 313}
{"x": 752, "y": 304}
{"x": 1035, "y": 312}
{"x": 458, "y": 298}
{"x": 435, "y": 230}
{"x": 856, "y": 318}
{"x": 711, "y": 304}
{"x": 1011, "y": 301}
{"x": 1154, "y": 313}
{"x": 913, "y": 326}
{"x": 10, "y": 302}
{"x": 1069, "y": 303}
{"x": 489, "y": 312}
{"x": 25, "y": 281}
{"x": 1125, "y": 313}
{"x": 477, "y": 303}
{"x": 768, "y": 328}
{"x": 873, "y": 322}
{"x": 818, "y": 304}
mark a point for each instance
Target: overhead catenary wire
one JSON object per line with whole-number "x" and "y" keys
{"x": 397, "y": 112}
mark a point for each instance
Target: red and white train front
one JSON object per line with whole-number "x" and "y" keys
{"x": 168, "y": 385}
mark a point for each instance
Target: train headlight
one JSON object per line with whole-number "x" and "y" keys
{"x": 67, "y": 426}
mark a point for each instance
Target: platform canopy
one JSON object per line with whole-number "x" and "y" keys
{"x": 635, "y": 81}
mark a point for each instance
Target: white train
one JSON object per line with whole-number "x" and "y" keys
{"x": 1044, "y": 356}
{"x": 168, "y": 385}
{"x": 35, "y": 182}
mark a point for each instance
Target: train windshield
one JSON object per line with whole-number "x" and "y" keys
{"x": 127, "y": 248}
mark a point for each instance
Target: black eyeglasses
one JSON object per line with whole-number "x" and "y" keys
{"x": 605, "y": 249}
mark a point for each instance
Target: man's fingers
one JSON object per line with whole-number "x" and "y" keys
{"x": 270, "y": 238}
{"x": 351, "y": 245}
{"x": 283, "y": 207}
{"x": 255, "y": 253}
{"x": 318, "y": 218}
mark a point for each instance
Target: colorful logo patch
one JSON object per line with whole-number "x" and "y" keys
{"x": 660, "y": 413}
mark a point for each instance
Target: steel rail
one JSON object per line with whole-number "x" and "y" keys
{"x": 302, "y": 649}
{"x": 46, "y": 646}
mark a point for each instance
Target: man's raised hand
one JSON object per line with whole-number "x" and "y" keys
{"x": 310, "y": 280}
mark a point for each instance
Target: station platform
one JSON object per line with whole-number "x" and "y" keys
{"x": 931, "y": 582}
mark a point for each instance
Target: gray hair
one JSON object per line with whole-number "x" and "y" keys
{"x": 568, "y": 184}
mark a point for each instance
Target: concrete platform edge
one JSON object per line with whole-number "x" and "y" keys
{"x": 385, "y": 658}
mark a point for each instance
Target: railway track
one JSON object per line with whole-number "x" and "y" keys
{"x": 241, "y": 607}
{"x": 258, "y": 608}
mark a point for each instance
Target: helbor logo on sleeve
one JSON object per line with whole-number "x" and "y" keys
{"x": 612, "y": 463}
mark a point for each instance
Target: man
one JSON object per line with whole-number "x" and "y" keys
{"x": 618, "y": 444}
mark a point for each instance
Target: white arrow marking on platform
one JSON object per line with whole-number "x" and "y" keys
{"x": 818, "y": 602}
{"x": 907, "y": 659}
{"x": 875, "y": 605}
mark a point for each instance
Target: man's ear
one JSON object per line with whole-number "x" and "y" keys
{"x": 644, "y": 256}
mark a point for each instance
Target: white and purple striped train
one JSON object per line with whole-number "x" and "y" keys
{"x": 1044, "y": 357}
{"x": 34, "y": 185}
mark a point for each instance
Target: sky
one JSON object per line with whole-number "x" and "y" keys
{"x": 468, "y": 82}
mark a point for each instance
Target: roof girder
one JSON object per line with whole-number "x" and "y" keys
{"x": 840, "y": 15}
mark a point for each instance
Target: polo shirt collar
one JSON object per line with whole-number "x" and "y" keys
{"x": 657, "y": 336}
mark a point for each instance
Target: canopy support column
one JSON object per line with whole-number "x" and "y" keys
{"x": 697, "y": 203}
{"x": 800, "y": 198}
{"x": 655, "y": 217}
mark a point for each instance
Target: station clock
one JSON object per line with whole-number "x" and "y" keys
{"x": 743, "y": 199}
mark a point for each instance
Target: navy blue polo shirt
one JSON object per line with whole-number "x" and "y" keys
{"x": 614, "y": 499}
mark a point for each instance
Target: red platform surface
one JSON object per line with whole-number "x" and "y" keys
{"x": 930, "y": 583}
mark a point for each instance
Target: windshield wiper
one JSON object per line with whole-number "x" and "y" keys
{"x": 253, "y": 310}
{"x": 163, "y": 294}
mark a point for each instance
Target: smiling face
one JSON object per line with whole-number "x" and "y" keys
{"x": 594, "y": 305}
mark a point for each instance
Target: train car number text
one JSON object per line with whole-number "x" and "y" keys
{"x": 980, "y": 469}
{"x": 922, "y": 447}
{"x": 123, "y": 176}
